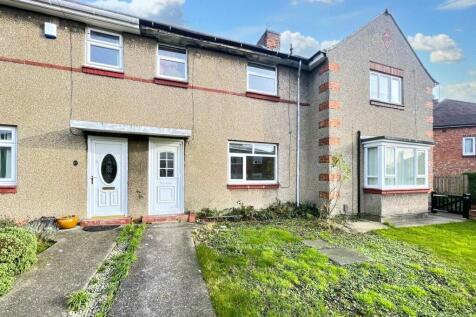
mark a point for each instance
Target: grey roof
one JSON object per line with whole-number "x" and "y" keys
{"x": 454, "y": 113}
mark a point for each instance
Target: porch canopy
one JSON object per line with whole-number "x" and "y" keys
{"x": 105, "y": 127}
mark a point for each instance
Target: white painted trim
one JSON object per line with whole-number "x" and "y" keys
{"x": 153, "y": 143}
{"x": 129, "y": 129}
{"x": 117, "y": 47}
{"x": 125, "y": 173}
{"x": 474, "y": 146}
{"x": 185, "y": 61}
{"x": 13, "y": 145}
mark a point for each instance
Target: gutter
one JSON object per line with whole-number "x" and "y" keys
{"x": 79, "y": 12}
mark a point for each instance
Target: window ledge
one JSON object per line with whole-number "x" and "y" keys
{"x": 262, "y": 96}
{"x": 102, "y": 72}
{"x": 171, "y": 82}
{"x": 396, "y": 191}
{"x": 8, "y": 189}
{"x": 252, "y": 186}
{"x": 386, "y": 104}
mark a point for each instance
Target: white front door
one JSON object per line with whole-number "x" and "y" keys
{"x": 165, "y": 176}
{"x": 107, "y": 176}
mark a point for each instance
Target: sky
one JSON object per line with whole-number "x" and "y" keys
{"x": 440, "y": 31}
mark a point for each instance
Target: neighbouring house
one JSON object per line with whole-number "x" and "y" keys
{"x": 454, "y": 130}
{"x": 105, "y": 114}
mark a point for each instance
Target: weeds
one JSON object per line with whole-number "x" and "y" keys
{"x": 78, "y": 300}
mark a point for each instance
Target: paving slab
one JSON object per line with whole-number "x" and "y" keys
{"x": 344, "y": 256}
{"x": 318, "y": 244}
{"x": 64, "y": 268}
{"x": 363, "y": 226}
{"x": 428, "y": 219}
{"x": 166, "y": 279}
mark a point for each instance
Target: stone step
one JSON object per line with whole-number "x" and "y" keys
{"x": 106, "y": 221}
{"x": 169, "y": 218}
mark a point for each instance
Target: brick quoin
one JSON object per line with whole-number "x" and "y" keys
{"x": 325, "y": 158}
{"x": 329, "y": 141}
{"x": 331, "y": 104}
{"x": 448, "y": 156}
{"x": 386, "y": 69}
{"x": 429, "y": 134}
{"x": 328, "y": 196}
{"x": 429, "y": 105}
{"x": 331, "y": 85}
{"x": 329, "y": 67}
{"x": 330, "y": 123}
{"x": 332, "y": 177}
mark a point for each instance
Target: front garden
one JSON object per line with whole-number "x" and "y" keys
{"x": 264, "y": 269}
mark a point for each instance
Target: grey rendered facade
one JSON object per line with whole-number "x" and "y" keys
{"x": 57, "y": 107}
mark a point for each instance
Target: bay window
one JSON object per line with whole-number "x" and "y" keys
{"x": 385, "y": 88}
{"x": 8, "y": 149}
{"x": 252, "y": 163}
{"x": 395, "y": 165}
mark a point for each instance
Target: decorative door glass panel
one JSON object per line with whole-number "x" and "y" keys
{"x": 109, "y": 168}
{"x": 166, "y": 164}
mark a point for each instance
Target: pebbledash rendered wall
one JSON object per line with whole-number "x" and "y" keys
{"x": 42, "y": 87}
{"x": 348, "y": 111}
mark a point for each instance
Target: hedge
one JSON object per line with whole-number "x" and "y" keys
{"x": 472, "y": 185}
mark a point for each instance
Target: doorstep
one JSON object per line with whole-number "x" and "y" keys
{"x": 105, "y": 221}
{"x": 169, "y": 218}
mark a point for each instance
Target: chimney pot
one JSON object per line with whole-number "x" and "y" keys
{"x": 270, "y": 40}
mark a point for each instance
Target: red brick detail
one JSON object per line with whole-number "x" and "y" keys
{"x": 105, "y": 222}
{"x": 429, "y": 119}
{"x": 429, "y": 105}
{"x": 396, "y": 191}
{"x": 331, "y": 104}
{"x": 448, "y": 151}
{"x": 332, "y": 177}
{"x": 329, "y": 196}
{"x": 102, "y": 72}
{"x": 325, "y": 159}
{"x": 244, "y": 186}
{"x": 262, "y": 96}
{"x": 8, "y": 190}
{"x": 329, "y": 141}
{"x": 331, "y": 85}
{"x": 429, "y": 134}
{"x": 329, "y": 67}
{"x": 171, "y": 83}
{"x": 38, "y": 64}
{"x": 271, "y": 40}
{"x": 166, "y": 218}
{"x": 330, "y": 123}
{"x": 386, "y": 69}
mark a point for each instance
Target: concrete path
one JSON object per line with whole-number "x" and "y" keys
{"x": 64, "y": 268}
{"x": 165, "y": 280}
{"x": 429, "y": 219}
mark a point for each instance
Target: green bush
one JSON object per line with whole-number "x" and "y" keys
{"x": 7, "y": 222}
{"x": 6, "y": 279}
{"x": 472, "y": 185}
{"x": 17, "y": 249}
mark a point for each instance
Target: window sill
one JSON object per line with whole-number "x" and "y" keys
{"x": 252, "y": 186}
{"x": 386, "y": 104}
{"x": 102, "y": 72}
{"x": 8, "y": 189}
{"x": 171, "y": 82}
{"x": 256, "y": 95}
{"x": 396, "y": 191}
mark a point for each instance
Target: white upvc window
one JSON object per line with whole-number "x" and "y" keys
{"x": 8, "y": 155}
{"x": 469, "y": 146}
{"x": 252, "y": 163}
{"x": 262, "y": 79}
{"x": 395, "y": 165}
{"x": 104, "y": 49}
{"x": 385, "y": 88}
{"x": 171, "y": 62}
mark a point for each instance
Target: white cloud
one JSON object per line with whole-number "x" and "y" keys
{"x": 465, "y": 91}
{"x": 442, "y": 48}
{"x": 303, "y": 45}
{"x": 472, "y": 72}
{"x": 162, "y": 10}
{"x": 456, "y": 4}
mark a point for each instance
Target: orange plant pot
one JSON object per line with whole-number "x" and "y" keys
{"x": 67, "y": 222}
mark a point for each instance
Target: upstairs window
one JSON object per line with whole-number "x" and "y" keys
{"x": 8, "y": 150}
{"x": 396, "y": 166}
{"x": 172, "y": 63}
{"x": 262, "y": 79}
{"x": 252, "y": 163}
{"x": 104, "y": 49}
{"x": 385, "y": 88}
{"x": 469, "y": 146}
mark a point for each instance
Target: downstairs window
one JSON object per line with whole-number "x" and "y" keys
{"x": 252, "y": 163}
{"x": 395, "y": 165}
{"x": 8, "y": 150}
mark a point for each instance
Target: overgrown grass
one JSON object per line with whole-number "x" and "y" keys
{"x": 43, "y": 245}
{"x": 254, "y": 269}
{"x": 78, "y": 300}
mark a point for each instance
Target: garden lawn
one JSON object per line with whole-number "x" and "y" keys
{"x": 264, "y": 269}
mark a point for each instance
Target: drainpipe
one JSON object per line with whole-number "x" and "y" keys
{"x": 298, "y": 135}
{"x": 358, "y": 172}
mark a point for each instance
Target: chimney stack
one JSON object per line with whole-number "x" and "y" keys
{"x": 270, "y": 40}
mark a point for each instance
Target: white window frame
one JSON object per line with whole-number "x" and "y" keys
{"x": 244, "y": 155}
{"x": 250, "y": 72}
{"x": 119, "y": 47}
{"x": 390, "y": 78}
{"x": 172, "y": 59}
{"x": 381, "y": 146}
{"x": 474, "y": 146}
{"x": 12, "y": 144}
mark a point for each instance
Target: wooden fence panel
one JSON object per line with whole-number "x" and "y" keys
{"x": 452, "y": 185}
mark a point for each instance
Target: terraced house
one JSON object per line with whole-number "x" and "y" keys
{"x": 104, "y": 114}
